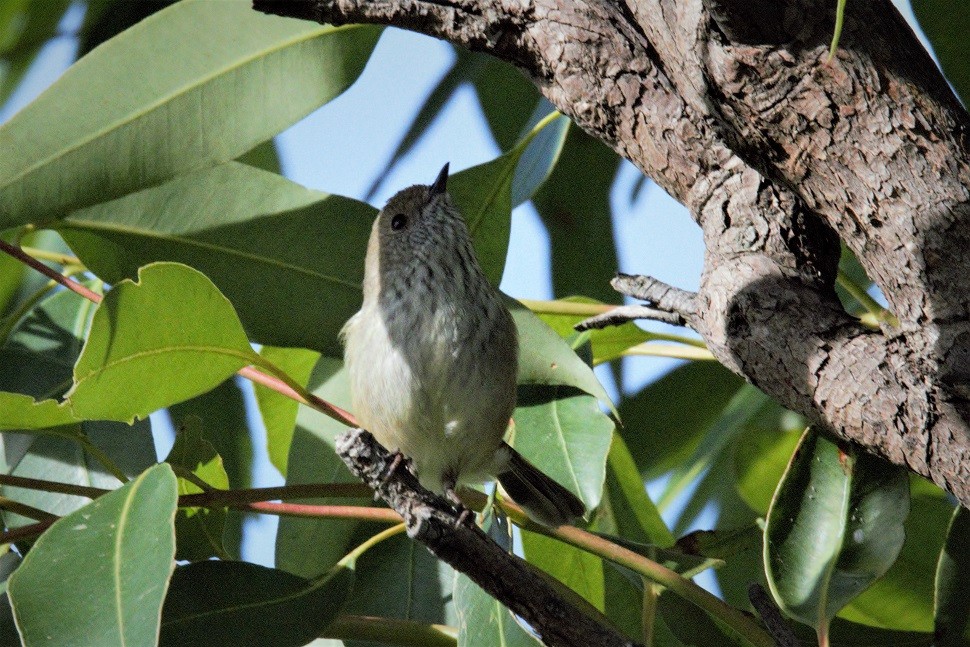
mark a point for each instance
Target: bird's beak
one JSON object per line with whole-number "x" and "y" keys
{"x": 440, "y": 184}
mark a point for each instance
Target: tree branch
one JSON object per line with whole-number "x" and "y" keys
{"x": 777, "y": 153}
{"x": 433, "y": 521}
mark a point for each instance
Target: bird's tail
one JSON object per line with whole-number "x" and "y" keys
{"x": 542, "y": 498}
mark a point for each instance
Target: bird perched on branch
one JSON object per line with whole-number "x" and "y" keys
{"x": 433, "y": 352}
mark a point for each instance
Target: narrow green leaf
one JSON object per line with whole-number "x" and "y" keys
{"x": 607, "y": 343}
{"x": 224, "y": 424}
{"x": 487, "y": 193}
{"x": 835, "y": 526}
{"x": 198, "y": 531}
{"x": 563, "y": 432}
{"x": 508, "y": 99}
{"x": 665, "y": 422}
{"x": 634, "y": 514}
{"x": 575, "y": 208}
{"x": 278, "y": 411}
{"x": 241, "y": 604}
{"x": 951, "y": 625}
{"x": 62, "y": 155}
{"x": 98, "y": 576}
{"x": 172, "y": 334}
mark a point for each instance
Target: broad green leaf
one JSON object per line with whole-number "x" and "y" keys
{"x": 25, "y": 27}
{"x": 236, "y": 603}
{"x": 21, "y": 412}
{"x": 951, "y": 625}
{"x": 634, "y": 514}
{"x": 903, "y": 598}
{"x": 265, "y": 157}
{"x": 946, "y": 24}
{"x": 313, "y": 460}
{"x": 563, "y": 432}
{"x": 834, "y": 527}
{"x": 62, "y": 155}
{"x": 399, "y": 578}
{"x": 665, "y": 422}
{"x": 172, "y": 334}
{"x": 575, "y": 208}
{"x": 545, "y": 358}
{"x": 278, "y": 411}
{"x": 482, "y": 620}
{"x": 59, "y": 456}
{"x": 198, "y": 531}
{"x": 224, "y": 423}
{"x": 291, "y": 260}
{"x": 682, "y": 624}
{"x": 508, "y": 99}
{"x": 98, "y": 576}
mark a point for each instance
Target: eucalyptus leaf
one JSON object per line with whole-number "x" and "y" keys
{"x": 834, "y": 527}
{"x": 98, "y": 576}
{"x": 62, "y": 155}
{"x": 172, "y": 333}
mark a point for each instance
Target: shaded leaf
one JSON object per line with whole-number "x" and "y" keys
{"x": 946, "y": 24}
{"x": 951, "y": 625}
{"x": 634, "y": 514}
{"x": 482, "y": 620}
{"x": 198, "y": 531}
{"x": 835, "y": 526}
{"x": 236, "y": 603}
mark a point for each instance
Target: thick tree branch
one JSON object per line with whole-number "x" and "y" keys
{"x": 433, "y": 521}
{"x": 733, "y": 107}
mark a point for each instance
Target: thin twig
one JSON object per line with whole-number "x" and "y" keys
{"x": 622, "y": 314}
{"x": 771, "y": 616}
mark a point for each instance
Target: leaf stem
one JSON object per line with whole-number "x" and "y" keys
{"x": 391, "y": 631}
{"x": 679, "y": 351}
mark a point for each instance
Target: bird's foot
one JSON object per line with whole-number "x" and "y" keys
{"x": 465, "y": 515}
{"x": 392, "y": 469}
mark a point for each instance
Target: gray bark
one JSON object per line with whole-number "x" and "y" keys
{"x": 734, "y": 109}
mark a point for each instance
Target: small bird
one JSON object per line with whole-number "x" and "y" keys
{"x": 433, "y": 352}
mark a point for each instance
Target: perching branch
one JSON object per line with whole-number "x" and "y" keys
{"x": 735, "y": 108}
{"x": 433, "y": 521}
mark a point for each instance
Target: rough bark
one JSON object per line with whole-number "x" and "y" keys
{"x": 434, "y": 522}
{"x": 733, "y": 107}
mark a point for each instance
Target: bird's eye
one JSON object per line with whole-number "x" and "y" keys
{"x": 399, "y": 221}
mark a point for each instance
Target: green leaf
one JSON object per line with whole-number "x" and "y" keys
{"x": 98, "y": 576}
{"x": 834, "y": 527}
{"x": 951, "y": 625}
{"x": 38, "y": 357}
{"x": 198, "y": 531}
{"x": 563, "y": 432}
{"x": 506, "y": 96}
{"x": 665, "y": 422}
{"x": 607, "y": 343}
{"x": 903, "y": 598}
{"x": 224, "y": 424}
{"x": 62, "y": 155}
{"x": 399, "y": 578}
{"x": 482, "y": 620}
{"x": 25, "y": 27}
{"x": 21, "y": 412}
{"x": 486, "y": 193}
{"x": 172, "y": 334}
{"x": 236, "y": 603}
{"x": 761, "y": 456}
{"x": 278, "y": 411}
{"x": 313, "y": 460}
{"x": 59, "y": 456}
{"x": 256, "y": 235}
{"x": 575, "y": 208}
{"x": 946, "y": 24}
{"x": 634, "y": 514}
{"x": 545, "y": 358}
{"x": 579, "y": 570}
